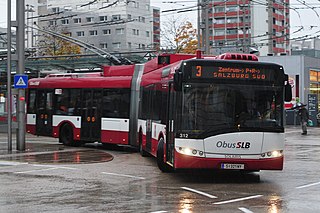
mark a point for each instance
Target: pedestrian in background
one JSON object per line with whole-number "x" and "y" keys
{"x": 304, "y": 117}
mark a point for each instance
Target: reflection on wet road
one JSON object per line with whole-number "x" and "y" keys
{"x": 116, "y": 179}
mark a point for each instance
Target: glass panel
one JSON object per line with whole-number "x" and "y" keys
{"x": 116, "y": 103}
{"x": 313, "y": 76}
{"x": 217, "y": 108}
{"x": 32, "y": 101}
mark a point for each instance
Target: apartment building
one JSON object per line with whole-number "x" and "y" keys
{"x": 113, "y": 25}
{"x": 244, "y": 25}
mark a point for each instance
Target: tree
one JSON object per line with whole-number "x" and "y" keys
{"x": 179, "y": 36}
{"x": 51, "y": 45}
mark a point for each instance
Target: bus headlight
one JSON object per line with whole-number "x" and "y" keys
{"x": 272, "y": 154}
{"x": 189, "y": 151}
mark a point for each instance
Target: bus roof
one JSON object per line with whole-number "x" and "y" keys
{"x": 88, "y": 80}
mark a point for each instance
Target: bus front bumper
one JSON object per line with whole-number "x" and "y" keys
{"x": 190, "y": 162}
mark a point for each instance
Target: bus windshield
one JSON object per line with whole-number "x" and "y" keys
{"x": 209, "y": 108}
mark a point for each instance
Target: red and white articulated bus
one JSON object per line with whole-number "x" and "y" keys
{"x": 84, "y": 107}
{"x": 224, "y": 112}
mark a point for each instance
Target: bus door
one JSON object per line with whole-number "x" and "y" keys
{"x": 44, "y": 112}
{"x": 149, "y": 119}
{"x": 91, "y": 115}
{"x": 171, "y": 107}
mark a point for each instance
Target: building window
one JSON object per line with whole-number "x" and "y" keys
{"x": 52, "y": 23}
{"x": 55, "y": 9}
{"x": 116, "y": 45}
{"x": 219, "y": 32}
{"x": 116, "y": 17}
{"x": 232, "y": 31}
{"x": 135, "y": 32}
{"x": 129, "y": 45}
{"x": 129, "y": 17}
{"x": 142, "y": 19}
{"x": 77, "y": 20}
{"x": 232, "y": 20}
{"x": 93, "y": 32}
{"x": 80, "y": 33}
{"x": 219, "y": 9}
{"x": 232, "y": 9}
{"x": 65, "y": 21}
{"x": 220, "y": 21}
{"x": 104, "y": 45}
{"x": 103, "y": 18}
{"x": 89, "y": 19}
{"x": 147, "y": 34}
{"x": 106, "y": 32}
{"x": 120, "y": 31}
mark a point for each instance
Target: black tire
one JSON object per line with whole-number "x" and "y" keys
{"x": 66, "y": 135}
{"x": 143, "y": 153}
{"x": 160, "y": 158}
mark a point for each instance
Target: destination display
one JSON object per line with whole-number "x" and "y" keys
{"x": 243, "y": 73}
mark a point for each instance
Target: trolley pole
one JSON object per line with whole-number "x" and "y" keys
{"x": 20, "y": 70}
{"x": 9, "y": 97}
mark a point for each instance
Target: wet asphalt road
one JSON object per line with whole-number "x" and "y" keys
{"x": 49, "y": 177}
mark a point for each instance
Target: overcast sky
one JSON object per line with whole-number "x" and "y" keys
{"x": 305, "y": 21}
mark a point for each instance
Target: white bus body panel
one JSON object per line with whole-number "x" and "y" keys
{"x": 273, "y": 141}
{"x": 31, "y": 119}
{"x": 245, "y": 145}
{"x": 157, "y": 129}
{"x": 115, "y": 124}
{"x": 75, "y": 120}
{"x": 240, "y": 143}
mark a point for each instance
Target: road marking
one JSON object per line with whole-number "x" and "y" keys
{"x": 245, "y": 210}
{"x": 11, "y": 163}
{"x": 199, "y": 192}
{"x": 238, "y": 199}
{"x": 51, "y": 166}
{"x": 308, "y": 185}
{"x": 36, "y": 170}
{"x": 39, "y": 153}
{"x": 122, "y": 175}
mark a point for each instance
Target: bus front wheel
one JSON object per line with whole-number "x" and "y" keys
{"x": 66, "y": 135}
{"x": 160, "y": 157}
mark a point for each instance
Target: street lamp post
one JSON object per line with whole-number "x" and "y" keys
{"x": 20, "y": 70}
{"x": 9, "y": 98}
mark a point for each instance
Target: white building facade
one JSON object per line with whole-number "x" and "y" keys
{"x": 112, "y": 25}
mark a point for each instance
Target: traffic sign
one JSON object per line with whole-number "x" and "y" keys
{"x": 20, "y": 81}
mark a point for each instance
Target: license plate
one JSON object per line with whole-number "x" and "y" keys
{"x": 232, "y": 166}
{"x": 233, "y": 156}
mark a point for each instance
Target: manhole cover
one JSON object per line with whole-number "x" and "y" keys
{"x": 65, "y": 157}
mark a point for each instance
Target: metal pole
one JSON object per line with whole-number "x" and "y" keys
{"x": 270, "y": 27}
{"x": 20, "y": 70}
{"x": 199, "y": 37}
{"x": 9, "y": 99}
{"x": 207, "y": 27}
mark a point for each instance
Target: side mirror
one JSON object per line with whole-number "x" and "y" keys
{"x": 287, "y": 92}
{"x": 177, "y": 81}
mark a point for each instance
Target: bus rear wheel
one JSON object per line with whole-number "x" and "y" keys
{"x": 160, "y": 158}
{"x": 66, "y": 135}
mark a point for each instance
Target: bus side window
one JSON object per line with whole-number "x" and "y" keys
{"x": 32, "y": 101}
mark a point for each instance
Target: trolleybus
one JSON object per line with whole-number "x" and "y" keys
{"x": 224, "y": 112}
